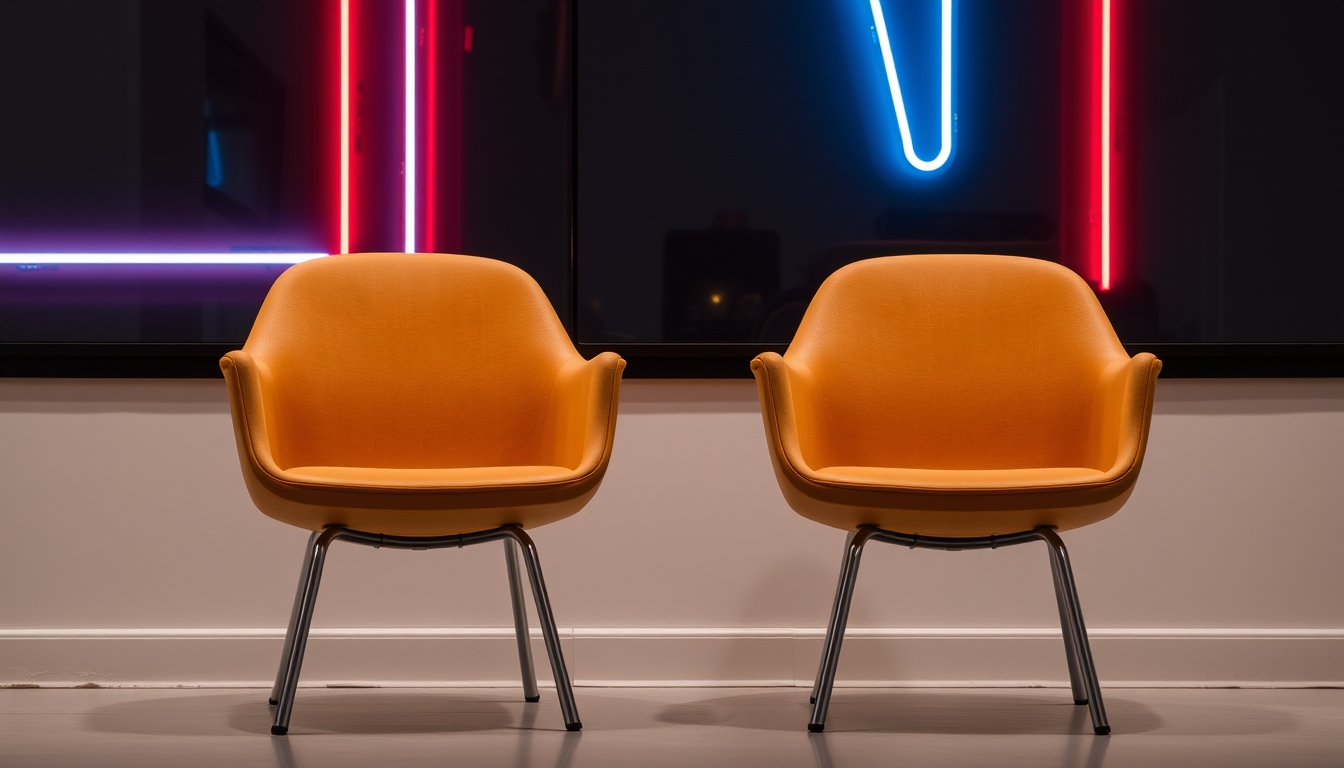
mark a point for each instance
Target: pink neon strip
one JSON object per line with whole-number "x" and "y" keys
{"x": 432, "y": 127}
{"x": 345, "y": 127}
{"x": 1105, "y": 145}
{"x": 409, "y": 166}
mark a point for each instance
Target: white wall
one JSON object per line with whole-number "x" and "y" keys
{"x": 131, "y": 554}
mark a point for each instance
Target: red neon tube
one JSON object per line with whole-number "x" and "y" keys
{"x": 432, "y": 126}
{"x": 345, "y": 128}
{"x": 1105, "y": 145}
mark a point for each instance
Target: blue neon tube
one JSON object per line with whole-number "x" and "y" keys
{"x": 945, "y": 88}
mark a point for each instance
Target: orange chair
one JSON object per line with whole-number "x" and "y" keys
{"x": 957, "y": 402}
{"x": 418, "y": 401}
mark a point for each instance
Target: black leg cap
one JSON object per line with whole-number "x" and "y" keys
{"x": 532, "y": 698}
{"x": 1102, "y": 730}
{"x": 573, "y": 726}
{"x": 273, "y": 702}
{"x": 811, "y": 699}
{"x": 279, "y": 730}
{"x": 1080, "y": 702}
{"x": 816, "y": 727}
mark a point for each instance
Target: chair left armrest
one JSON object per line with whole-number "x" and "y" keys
{"x": 1123, "y": 413}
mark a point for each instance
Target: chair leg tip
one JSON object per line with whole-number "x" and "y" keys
{"x": 273, "y": 702}
{"x": 816, "y": 727}
{"x": 279, "y": 730}
{"x": 532, "y": 699}
{"x": 1080, "y": 702}
{"x": 1102, "y": 730}
{"x": 573, "y": 726}
{"x": 811, "y": 699}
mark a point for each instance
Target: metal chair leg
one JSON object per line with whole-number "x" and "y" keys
{"x": 548, "y": 630}
{"x": 293, "y": 662}
{"x": 835, "y": 604}
{"x": 530, "y": 692}
{"x": 1076, "y": 627}
{"x": 1070, "y": 649}
{"x": 835, "y": 633}
{"x": 293, "y": 619}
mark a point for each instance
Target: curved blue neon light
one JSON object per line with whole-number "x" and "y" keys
{"x": 903, "y": 122}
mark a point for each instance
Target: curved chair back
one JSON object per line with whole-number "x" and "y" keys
{"x": 953, "y": 362}
{"x": 409, "y": 361}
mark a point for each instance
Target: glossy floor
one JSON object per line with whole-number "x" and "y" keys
{"x": 670, "y": 727}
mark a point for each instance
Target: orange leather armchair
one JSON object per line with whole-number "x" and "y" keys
{"x": 418, "y": 401}
{"x": 957, "y": 402}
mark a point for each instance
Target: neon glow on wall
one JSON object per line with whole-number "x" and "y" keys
{"x": 945, "y": 88}
{"x": 158, "y": 258}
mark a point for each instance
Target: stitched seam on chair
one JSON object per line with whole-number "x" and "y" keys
{"x": 401, "y": 490}
{"x": 943, "y": 491}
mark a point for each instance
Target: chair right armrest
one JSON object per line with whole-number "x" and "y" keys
{"x": 1123, "y": 414}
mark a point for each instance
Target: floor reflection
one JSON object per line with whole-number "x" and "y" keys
{"x": 926, "y": 711}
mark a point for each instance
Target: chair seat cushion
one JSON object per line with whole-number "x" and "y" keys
{"x": 960, "y": 479}
{"x": 424, "y": 501}
{"x": 428, "y": 479}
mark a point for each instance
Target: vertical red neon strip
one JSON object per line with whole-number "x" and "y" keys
{"x": 432, "y": 126}
{"x": 1105, "y": 145}
{"x": 410, "y": 163}
{"x": 345, "y": 128}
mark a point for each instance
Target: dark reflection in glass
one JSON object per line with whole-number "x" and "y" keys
{"x": 1229, "y": 175}
{"x": 716, "y": 281}
{"x": 153, "y": 126}
{"x": 211, "y": 126}
{"x": 244, "y": 129}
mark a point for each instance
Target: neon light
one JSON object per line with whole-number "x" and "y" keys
{"x": 345, "y": 127}
{"x": 432, "y": 127}
{"x": 158, "y": 258}
{"x": 902, "y": 121}
{"x": 214, "y": 161}
{"x": 1105, "y": 145}
{"x": 409, "y": 172}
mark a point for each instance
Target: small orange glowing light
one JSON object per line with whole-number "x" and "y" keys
{"x": 716, "y": 299}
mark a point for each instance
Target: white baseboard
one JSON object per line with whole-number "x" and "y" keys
{"x": 716, "y": 657}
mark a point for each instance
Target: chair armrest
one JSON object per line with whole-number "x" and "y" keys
{"x": 1123, "y": 412}
{"x": 583, "y": 416}
{"x": 251, "y": 402}
{"x": 783, "y": 388}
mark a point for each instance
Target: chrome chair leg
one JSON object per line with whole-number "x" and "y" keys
{"x": 530, "y": 692}
{"x": 835, "y": 604}
{"x": 293, "y": 661}
{"x": 293, "y": 619}
{"x": 1070, "y": 649}
{"x": 1077, "y": 629}
{"x": 563, "y": 690}
{"x": 835, "y": 633}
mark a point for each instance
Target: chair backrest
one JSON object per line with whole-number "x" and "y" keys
{"x": 408, "y": 361}
{"x": 952, "y": 362}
